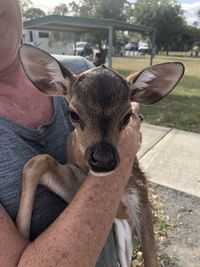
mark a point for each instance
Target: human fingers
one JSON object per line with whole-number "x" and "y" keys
{"x": 135, "y": 107}
{"x": 131, "y": 137}
{"x": 135, "y": 119}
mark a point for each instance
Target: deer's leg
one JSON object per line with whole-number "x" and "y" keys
{"x": 64, "y": 180}
{"x": 141, "y": 218}
{"x": 136, "y": 201}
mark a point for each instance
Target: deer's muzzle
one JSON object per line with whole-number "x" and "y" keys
{"x": 102, "y": 157}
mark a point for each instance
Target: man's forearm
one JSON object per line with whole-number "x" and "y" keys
{"x": 76, "y": 238}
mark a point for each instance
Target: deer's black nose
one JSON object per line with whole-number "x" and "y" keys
{"x": 102, "y": 157}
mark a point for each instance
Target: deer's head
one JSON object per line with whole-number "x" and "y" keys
{"x": 99, "y": 100}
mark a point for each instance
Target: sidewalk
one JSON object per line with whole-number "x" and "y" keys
{"x": 171, "y": 158}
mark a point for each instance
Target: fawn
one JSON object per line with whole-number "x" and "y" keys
{"x": 99, "y": 108}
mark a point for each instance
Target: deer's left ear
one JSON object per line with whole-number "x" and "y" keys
{"x": 45, "y": 72}
{"x": 154, "y": 83}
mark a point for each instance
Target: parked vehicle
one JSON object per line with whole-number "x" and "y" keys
{"x": 84, "y": 49}
{"x": 43, "y": 40}
{"x": 143, "y": 48}
{"x": 131, "y": 46}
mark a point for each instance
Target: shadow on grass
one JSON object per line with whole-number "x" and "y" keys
{"x": 176, "y": 111}
{"x": 190, "y": 82}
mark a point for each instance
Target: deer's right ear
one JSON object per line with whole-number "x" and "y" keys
{"x": 44, "y": 71}
{"x": 155, "y": 82}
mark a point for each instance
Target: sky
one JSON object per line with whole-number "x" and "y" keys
{"x": 190, "y": 7}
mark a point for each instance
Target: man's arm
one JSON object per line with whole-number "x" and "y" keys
{"x": 77, "y": 236}
{"x": 79, "y": 233}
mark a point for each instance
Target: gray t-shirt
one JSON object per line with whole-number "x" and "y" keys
{"x": 18, "y": 144}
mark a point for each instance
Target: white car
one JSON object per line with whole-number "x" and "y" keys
{"x": 143, "y": 48}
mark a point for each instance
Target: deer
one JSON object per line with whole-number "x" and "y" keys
{"x": 99, "y": 109}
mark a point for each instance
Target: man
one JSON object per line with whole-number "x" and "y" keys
{"x": 31, "y": 124}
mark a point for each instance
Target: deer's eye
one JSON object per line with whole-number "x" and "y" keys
{"x": 126, "y": 119}
{"x": 74, "y": 116}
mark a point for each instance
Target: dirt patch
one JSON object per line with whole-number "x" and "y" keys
{"x": 177, "y": 228}
{"x": 181, "y": 247}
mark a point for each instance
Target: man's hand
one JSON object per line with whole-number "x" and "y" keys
{"x": 131, "y": 137}
{"x": 130, "y": 142}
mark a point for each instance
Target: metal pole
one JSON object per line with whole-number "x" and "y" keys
{"x": 110, "y": 44}
{"x": 75, "y": 40}
{"x": 152, "y": 46}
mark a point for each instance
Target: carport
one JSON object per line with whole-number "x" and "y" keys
{"x": 82, "y": 25}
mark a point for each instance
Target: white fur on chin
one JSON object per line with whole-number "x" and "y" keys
{"x": 100, "y": 173}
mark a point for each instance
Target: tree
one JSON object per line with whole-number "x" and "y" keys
{"x": 65, "y": 37}
{"x": 74, "y": 8}
{"x": 107, "y": 9}
{"x": 198, "y": 14}
{"x": 33, "y": 13}
{"x": 166, "y": 16}
{"x": 25, "y": 4}
{"x": 61, "y": 9}
{"x": 197, "y": 23}
{"x": 190, "y": 37}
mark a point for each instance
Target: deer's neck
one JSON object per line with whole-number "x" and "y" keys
{"x": 74, "y": 154}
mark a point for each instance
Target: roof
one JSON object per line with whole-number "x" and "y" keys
{"x": 81, "y": 24}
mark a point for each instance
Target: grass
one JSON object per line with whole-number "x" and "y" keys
{"x": 181, "y": 109}
{"x": 162, "y": 230}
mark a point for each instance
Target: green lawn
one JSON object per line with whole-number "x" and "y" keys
{"x": 180, "y": 109}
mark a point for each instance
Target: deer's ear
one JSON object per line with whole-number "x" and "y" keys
{"x": 154, "y": 83}
{"x": 44, "y": 71}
